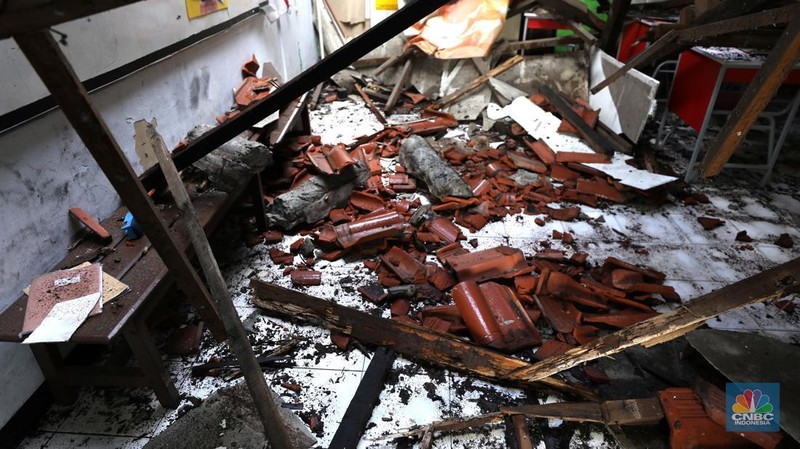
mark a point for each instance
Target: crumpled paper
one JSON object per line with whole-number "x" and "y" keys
{"x": 461, "y": 29}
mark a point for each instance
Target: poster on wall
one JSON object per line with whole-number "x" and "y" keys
{"x": 199, "y": 8}
{"x": 385, "y": 5}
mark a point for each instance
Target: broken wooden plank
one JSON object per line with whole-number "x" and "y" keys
{"x": 374, "y": 109}
{"x": 759, "y": 93}
{"x": 407, "y": 339}
{"x": 657, "y": 50}
{"x": 588, "y": 38}
{"x": 478, "y": 82}
{"x": 521, "y": 432}
{"x": 405, "y": 74}
{"x": 573, "y": 10}
{"x": 749, "y": 22}
{"x": 358, "y": 413}
{"x": 728, "y": 9}
{"x": 274, "y": 426}
{"x": 771, "y": 284}
{"x": 609, "y": 38}
{"x": 547, "y": 42}
{"x": 592, "y": 138}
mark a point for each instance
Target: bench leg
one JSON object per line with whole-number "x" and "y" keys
{"x": 259, "y": 208}
{"x": 144, "y": 350}
{"x": 50, "y": 362}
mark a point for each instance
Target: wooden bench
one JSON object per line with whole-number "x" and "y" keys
{"x": 138, "y": 266}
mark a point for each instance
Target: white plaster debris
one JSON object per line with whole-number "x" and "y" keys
{"x": 343, "y": 122}
{"x": 541, "y": 124}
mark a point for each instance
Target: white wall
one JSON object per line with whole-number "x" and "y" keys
{"x": 44, "y": 167}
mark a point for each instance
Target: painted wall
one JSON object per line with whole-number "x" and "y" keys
{"x": 44, "y": 167}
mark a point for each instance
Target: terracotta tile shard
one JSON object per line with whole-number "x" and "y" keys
{"x": 415, "y": 97}
{"x": 562, "y": 316}
{"x": 562, "y": 214}
{"x": 618, "y": 319}
{"x": 279, "y": 257}
{"x": 568, "y": 239}
{"x": 527, "y": 163}
{"x": 623, "y": 279}
{"x": 526, "y": 285}
{"x": 400, "y": 307}
{"x": 272, "y": 236}
{"x": 330, "y": 160}
{"x": 453, "y": 203}
{"x": 551, "y": 348}
{"x": 785, "y": 241}
{"x": 500, "y": 262}
{"x": 494, "y": 316}
{"x": 585, "y": 334}
{"x": 186, "y": 340}
{"x": 404, "y": 266}
{"x": 90, "y": 223}
{"x": 690, "y": 426}
{"x": 480, "y": 186}
{"x": 440, "y": 278}
{"x": 582, "y": 158}
{"x": 710, "y": 223}
{"x": 250, "y": 68}
{"x": 437, "y": 324}
{"x": 561, "y": 173}
{"x": 539, "y": 221}
{"x": 665, "y": 291}
{"x": 649, "y": 274}
{"x": 342, "y": 341}
{"x": 563, "y": 286}
{"x": 743, "y": 237}
{"x": 596, "y": 375}
{"x": 579, "y": 258}
{"x": 601, "y": 189}
{"x": 541, "y": 150}
{"x": 252, "y": 89}
{"x": 291, "y": 387}
{"x": 370, "y": 228}
{"x": 445, "y": 229}
{"x": 373, "y": 292}
{"x": 338, "y": 216}
{"x": 306, "y": 277}
{"x": 366, "y": 201}
{"x": 453, "y": 249}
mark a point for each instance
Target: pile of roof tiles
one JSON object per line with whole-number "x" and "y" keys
{"x": 499, "y": 297}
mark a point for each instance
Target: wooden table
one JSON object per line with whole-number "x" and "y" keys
{"x": 138, "y": 266}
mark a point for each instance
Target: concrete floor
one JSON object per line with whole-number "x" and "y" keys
{"x": 666, "y": 238}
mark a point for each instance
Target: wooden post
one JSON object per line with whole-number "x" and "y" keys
{"x": 609, "y": 39}
{"x": 401, "y": 84}
{"x": 769, "y": 78}
{"x": 274, "y": 426}
{"x": 478, "y": 82}
{"x": 57, "y": 75}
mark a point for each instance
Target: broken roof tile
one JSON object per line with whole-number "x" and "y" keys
{"x": 563, "y": 316}
{"x": 551, "y": 348}
{"x": 601, "y": 189}
{"x": 499, "y": 262}
{"x": 564, "y": 157}
{"x": 370, "y": 228}
{"x": 653, "y": 275}
{"x": 445, "y": 229}
{"x": 373, "y": 292}
{"x": 522, "y": 161}
{"x": 561, "y": 173}
{"x": 279, "y": 257}
{"x": 366, "y": 201}
{"x": 785, "y": 241}
{"x": 404, "y": 266}
{"x": 541, "y": 149}
{"x": 710, "y": 223}
{"x": 562, "y": 214}
{"x": 306, "y": 277}
{"x": 619, "y": 319}
{"x": 494, "y": 316}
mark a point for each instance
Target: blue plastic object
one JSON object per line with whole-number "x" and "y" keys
{"x": 132, "y": 229}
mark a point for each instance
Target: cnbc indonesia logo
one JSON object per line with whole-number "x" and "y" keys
{"x": 754, "y": 409}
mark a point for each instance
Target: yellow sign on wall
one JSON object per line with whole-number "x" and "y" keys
{"x": 385, "y": 5}
{"x": 198, "y": 8}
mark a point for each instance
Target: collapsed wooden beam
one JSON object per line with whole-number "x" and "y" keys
{"x": 728, "y": 9}
{"x": 593, "y": 138}
{"x": 759, "y": 93}
{"x": 771, "y": 284}
{"x": 478, "y": 82}
{"x": 413, "y": 341}
{"x": 358, "y": 413}
{"x": 297, "y": 86}
{"x": 609, "y": 38}
{"x": 547, "y": 42}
